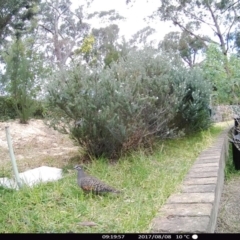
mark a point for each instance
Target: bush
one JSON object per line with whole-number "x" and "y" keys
{"x": 7, "y": 110}
{"x": 193, "y": 110}
{"x": 113, "y": 110}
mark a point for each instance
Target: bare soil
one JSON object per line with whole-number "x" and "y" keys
{"x": 229, "y": 211}
{"x": 35, "y": 144}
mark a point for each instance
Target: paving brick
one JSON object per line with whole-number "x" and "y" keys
{"x": 199, "y": 188}
{"x": 206, "y": 165}
{"x": 207, "y": 160}
{"x": 191, "y": 198}
{"x": 207, "y": 156}
{"x": 202, "y": 174}
{"x": 200, "y": 181}
{"x": 180, "y": 225}
{"x": 198, "y": 209}
{"x": 204, "y": 169}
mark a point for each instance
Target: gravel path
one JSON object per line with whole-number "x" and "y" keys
{"x": 229, "y": 212}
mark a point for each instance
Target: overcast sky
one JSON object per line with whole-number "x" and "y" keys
{"x": 134, "y": 14}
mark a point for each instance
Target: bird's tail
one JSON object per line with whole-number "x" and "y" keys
{"x": 117, "y": 191}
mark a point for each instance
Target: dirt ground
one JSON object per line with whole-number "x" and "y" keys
{"x": 35, "y": 144}
{"x": 229, "y": 212}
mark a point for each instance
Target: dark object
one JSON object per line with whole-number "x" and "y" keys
{"x": 235, "y": 140}
{"x": 236, "y": 123}
{"x": 92, "y": 184}
{"x": 236, "y": 156}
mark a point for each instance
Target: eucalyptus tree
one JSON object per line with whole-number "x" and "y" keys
{"x": 60, "y": 29}
{"x": 220, "y": 18}
{"x": 183, "y": 45}
{"x": 63, "y": 29}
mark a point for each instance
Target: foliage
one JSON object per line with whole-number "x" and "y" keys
{"x": 225, "y": 81}
{"x": 60, "y": 30}
{"x": 64, "y": 29}
{"x": 141, "y": 37}
{"x": 193, "y": 108}
{"x": 15, "y": 16}
{"x": 218, "y": 17}
{"x": 128, "y": 104}
{"x": 23, "y": 66}
{"x": 184, "y": 45}
{"x": 100, "y": 48}
{"x": 7, "y": 110}
{"x": 117, "y": 107}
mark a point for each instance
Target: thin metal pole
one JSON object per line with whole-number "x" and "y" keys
{"x": 12, "y": 156}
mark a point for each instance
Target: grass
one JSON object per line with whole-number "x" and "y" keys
{"x": 146, "y": 180}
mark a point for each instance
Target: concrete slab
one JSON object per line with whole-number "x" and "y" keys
{"x": 191, "y": 198}
{"x": 180, "y": 225}
{"x": 200, "y": 181}
{"x": 194, "y": 210}
{"x": 34, "y": 176}
{"x": 205, "y": 188}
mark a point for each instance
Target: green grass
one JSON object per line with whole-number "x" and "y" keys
{"x": 146, "y": 180}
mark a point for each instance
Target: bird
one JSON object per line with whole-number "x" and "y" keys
{"x": 91, "y": 184}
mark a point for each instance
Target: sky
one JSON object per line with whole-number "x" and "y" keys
{"x": 134, "y": 14}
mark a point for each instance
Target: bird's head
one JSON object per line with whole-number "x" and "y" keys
{"x": 81, "y": 173}
{"x": 77, "y": 167}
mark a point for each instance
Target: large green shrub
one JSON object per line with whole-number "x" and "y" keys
{"x": 117, "y": 108}
{"x": 112, "y": 110}
{"x": 193, "y": 109}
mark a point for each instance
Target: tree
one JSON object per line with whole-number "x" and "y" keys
{"x": 225, "y": 84}
{"x": 218, "y": 16}
{"x": 15, "y": 15}
{"x": 60, "y": 30}
{"x": 63, "y": 29}
{"x": 24, "y": 70}
{"x": 101, "y": 46}
{"x": 184, "y": 45}
{"x": 141, "y": 36}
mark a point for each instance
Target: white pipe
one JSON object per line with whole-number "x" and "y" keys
{"x": 12, "y": 156}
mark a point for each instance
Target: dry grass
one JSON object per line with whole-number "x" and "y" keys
{"x": 35, "y": 145}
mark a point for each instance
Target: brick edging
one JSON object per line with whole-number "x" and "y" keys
{"x": 194, "y": 210}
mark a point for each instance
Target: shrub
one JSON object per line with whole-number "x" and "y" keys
{"x": 115, "y": 109}
{"x": 7, "y": 110}
{"x": 193, "y": 110}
